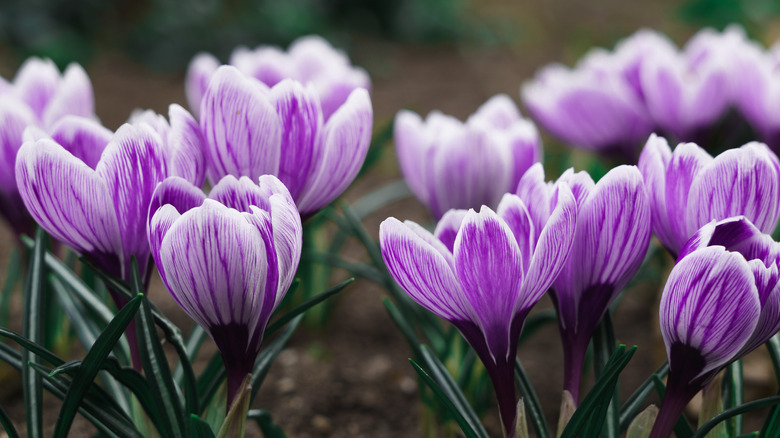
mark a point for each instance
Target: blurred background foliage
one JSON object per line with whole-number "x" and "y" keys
{"x": 165, "y": 34}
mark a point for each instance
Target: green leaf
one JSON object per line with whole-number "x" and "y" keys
{"x": 209, "y": 382}
{"x": 465, "y": 426}
{"x": 266, "y": 423}
{"x": 234, "y": 425}
{"x": 738, "y": 410}
{"x": 306, "y": 305}
{"x": 13, "y": 273}
{"x": 452, "y": 391}
{"x": 269, "y": 353}
{"x": 7, "y": 424}
{"x": 603, "y": 347}
{"x": 91, "y": 365}
{"x": 195, "y": 340}
{"x": 403, "y": 325}
{"x": 588, "y": 419}
{"x": 155, "y": 366}
{"x": 634, "y": 403}
{"x": 531, "y": 401}
{"x": 521, "y": 422}
{"x": 734, "y": 395}
{"x": 683, "y": 428}
{"x": 712, "y": 405}
{"x": 771, "y": 425}
{"x": 199, "y": 428}
{"x": 32, "y": 329}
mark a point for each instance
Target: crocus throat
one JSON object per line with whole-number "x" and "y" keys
{"x": 237, "y": 354}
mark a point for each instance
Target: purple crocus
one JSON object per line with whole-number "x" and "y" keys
{"x": 449, "y": 164}
{"x": 688, "y": 188}
{"x": 721, "y": 301}
{"x": 757, "y": 90}
{"x": 228, "y": 259}
{"x": 483, "y": 272}
{"x": 609, "y": 243}
{"x": 38, "y": 96}
{"x": 251, "y": 130}
{"x": 310, "y": 59}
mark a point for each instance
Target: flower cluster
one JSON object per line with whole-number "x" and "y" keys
{"x": 612, "y": 101}
{"x": 449, "y": 164}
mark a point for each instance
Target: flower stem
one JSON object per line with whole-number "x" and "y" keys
{"x": 573, "y": 361}
{"x": 503, "y": 378}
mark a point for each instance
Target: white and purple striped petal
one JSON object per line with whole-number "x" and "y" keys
{"x": 199, "y": 73}
{"x": 83, "y": 137}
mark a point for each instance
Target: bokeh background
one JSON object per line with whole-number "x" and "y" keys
{"x": 352, "y": 378}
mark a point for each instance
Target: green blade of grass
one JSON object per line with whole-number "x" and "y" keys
{"x": 32, "y": 329}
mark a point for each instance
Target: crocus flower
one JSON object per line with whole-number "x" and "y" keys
{"x": 228, "y": 259}
{"x": 310, "y": 59}
{"x": 483, "y": 272}
{"x": 610, "y": 241}
{"x": 449, "y": 164}
{"x": 688, "y": 188}
{"x": 251, "y": 130}
{"x": 757, "y": 90}
{"x": 721, "y": 301}
{"x": 38, "y": 96}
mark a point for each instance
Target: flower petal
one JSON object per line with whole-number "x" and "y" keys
{"x": 240, "y": 127}
{"x": 15, "y": 116}
{"x": 448, "y": 226}
{"x": 512, "y": 210}
{"x": 653, "y": 161}
{"x": 423, "y": 271}
{"x": 411, "y": 147}
{"x": 299, "y": 113}
{"x": 178, "y": 193}
{"x": 499, "y": 111}
{"x": 239, "y": 194}
{"x": 83, "y": 137}
{"x": 199, "y": 73}
{"x": 552, "y": 250}
{"x": 537, "y": 194}
{"x": 73, "y": 97}
{"x": 287, "y": 231}
{"x": 340, "y": 154}
{"x": 131, "y": 167}
{"x": 768, "y": 285}
{"x": 744, "y": 181}
{"x": 68, "y": 199}
{"x": 36, "y": 82}
{"x": 710, "y": 303}
{"x": 185, "y": 146}
{"x": 485, "y": 246}
{"x": 684, "y": 168}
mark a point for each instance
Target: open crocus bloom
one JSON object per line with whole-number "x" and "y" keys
{"x": 756, "y": 88}
{"x": 721, "y": 301}
{"x": 310, "y": 59}
{"x": 610, "y": 241}
{"x": 449, "y": 164}
{"x": 453, "y": 273}
{"x": 688, "y": 188}
{"x": 228, "y": 259}
{"x": 251, "y": 130}
{"x": 38, "y": 96}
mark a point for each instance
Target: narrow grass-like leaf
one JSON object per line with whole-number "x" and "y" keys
{"x": 266, "y": 423}
{"x": 27, "y": 344}
{"x": 91, "y": 365}
{"x": 771, "y": 425}
{"x": 306, "y": 305}
{"x": 521, "y": 422}
{"x": 210, "y": 380}
{"x": 603, "y": 348}
{"x": 738, "y": 410}
{"x": 269, "y": 353}
{"x": 7, "y": 424}
{"x": 634, "y": 402}
{"x": 734, "y": 395}
{"x": 465, "y": 425}
{"x": 712, "y": 405}
{"x": 403, "y": 325}
{"x": 155, "y": 366}
{"x": 199, "y": 428}
{"x": 13, "y": 273}
{"x": 235, "y": 420}
{"x": 682, "y": 428}
{"x": 195, "y": 340}
{"x": 588, "y": 419}
{"x": 32, "y": 329}
{"x": 533, "y": 406}
{"x": 452, "y": 391}
{"x": 361, "y": 270}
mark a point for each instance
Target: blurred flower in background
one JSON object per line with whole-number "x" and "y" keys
{"x": 451, "y": 164}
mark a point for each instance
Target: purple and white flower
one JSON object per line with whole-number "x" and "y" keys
{"x": 452, "y": 273}
{"x": 610, "y": 241}
{"x": 251, "y": 130}
{"x": 756, "y": 88}
{"x": 310, "y": 59}
{"x": 449, "y": 164}
{"x": 38, "y": 96}
{"x": 228, "y": 259}
{"x": 721, "y": 301}
{"x": 688, "y": 188}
